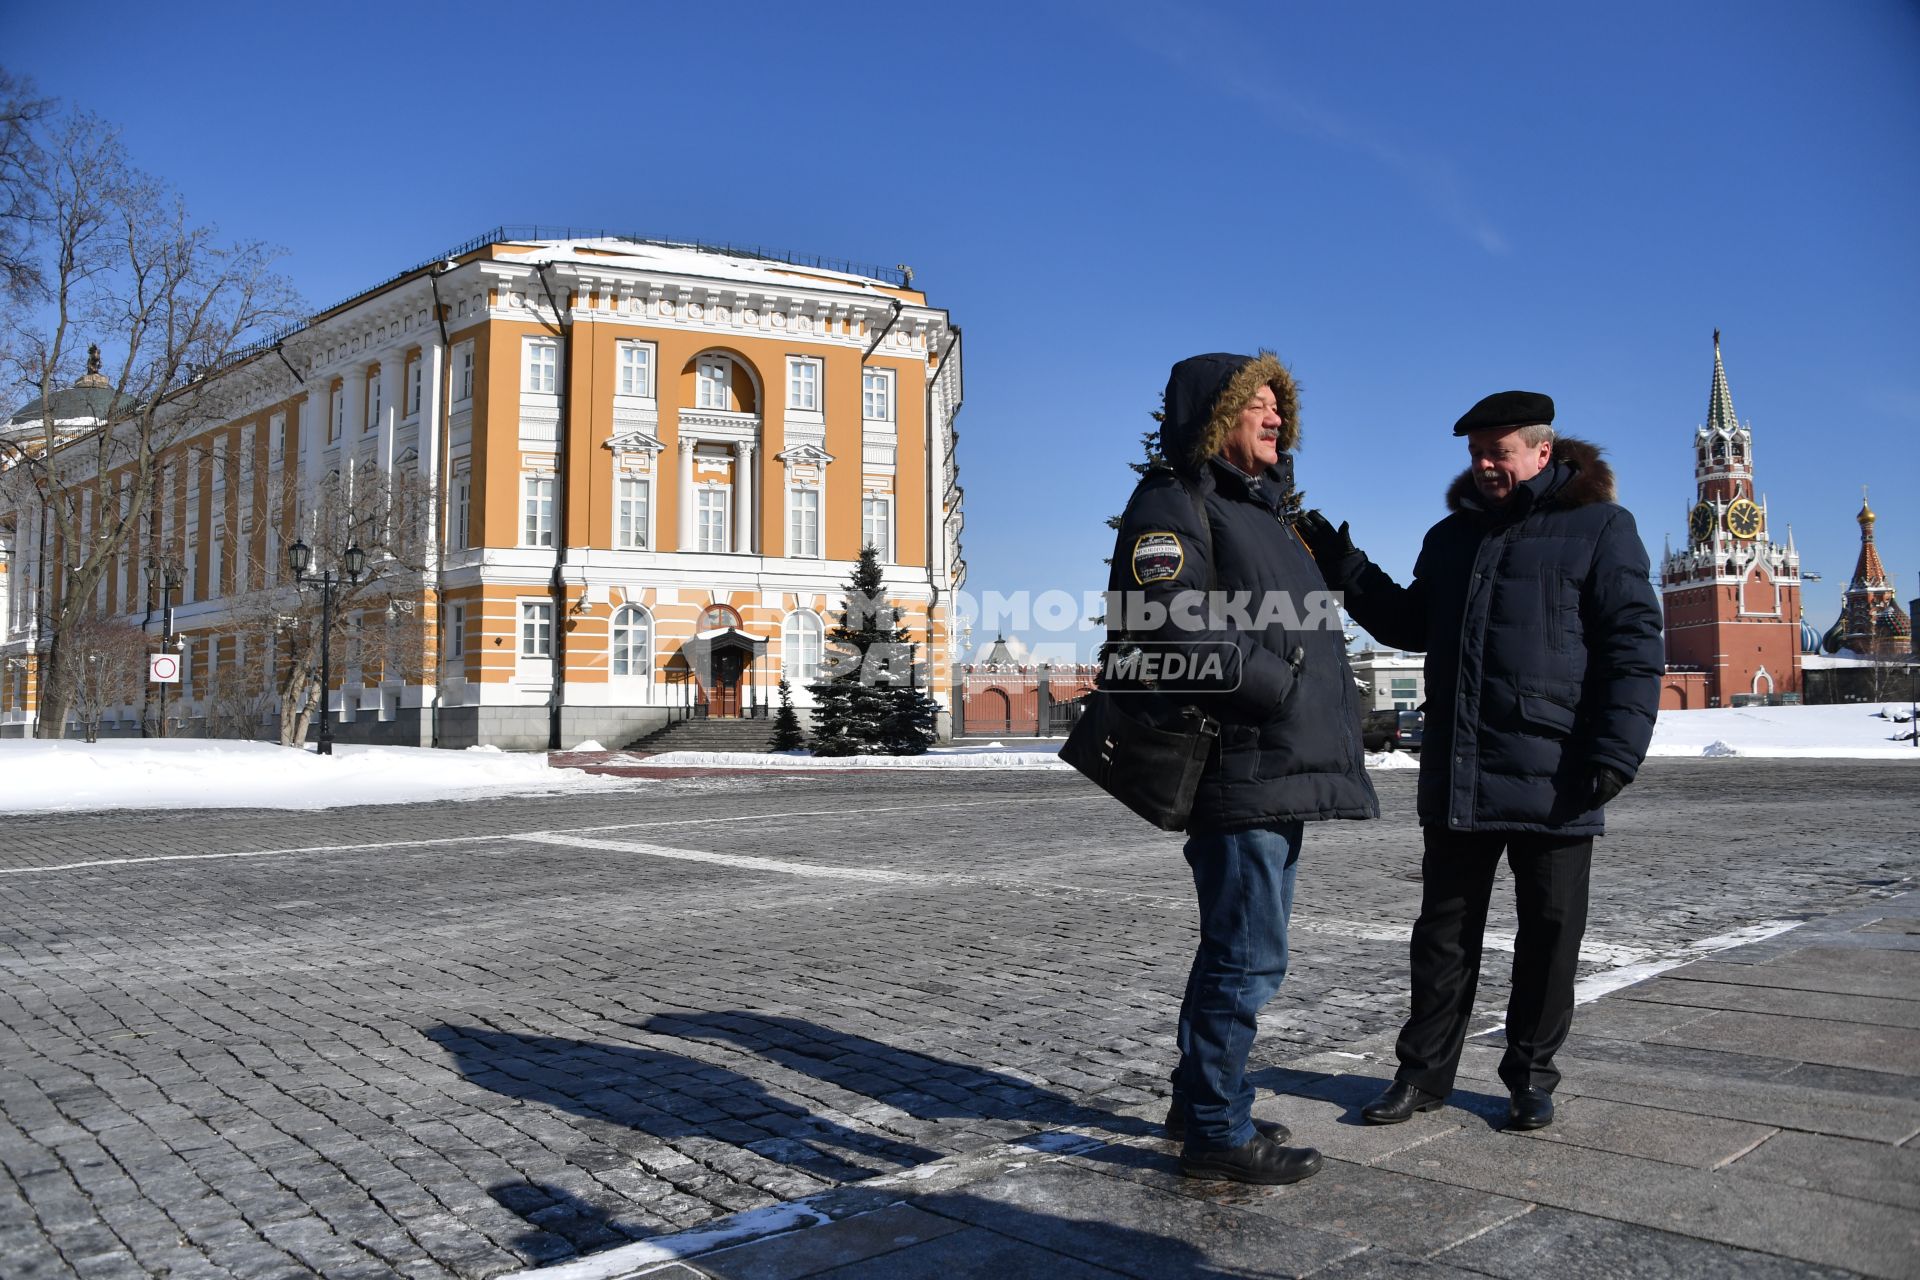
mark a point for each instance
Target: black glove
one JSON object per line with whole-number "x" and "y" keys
{"x": 1329, "y": 545}
{"x": 1607, "y": 783}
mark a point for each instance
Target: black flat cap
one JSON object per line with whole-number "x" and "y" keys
{"x": 1507, "y": 409}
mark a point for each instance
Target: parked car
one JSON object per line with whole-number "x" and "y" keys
{"x": 1393, "y": 730}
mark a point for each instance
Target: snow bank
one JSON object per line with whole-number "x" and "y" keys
{"x": 1854, "y": 731}
{"x": 177, "y": 773}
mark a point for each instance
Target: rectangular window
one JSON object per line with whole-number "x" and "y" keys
{"x": 460, "y": 510}
{"x": 463, "y": 372}
{"x": 713, "y": 385}
{"x": 803, "y": 537}
{"x": 277, "y": 435}
{"x": 543, "y": 362}
{"x": 339, "y": 414}
{"x": 536, "y": 629}
{"x": 636, "y": 369}
{"x": 536, "y": 528}
{"x": 803, "y": 385}
{"x": 373, "y": 401}
{"x": 456, "y": 631}
{"x": 876, "y": 395}
{"x": 414, "y": 380}
{"x": 1405, "y": 691}
{"x": 631, "y": 514}
{"x": 711, "y": 514}
{"x": 876, "y": 526}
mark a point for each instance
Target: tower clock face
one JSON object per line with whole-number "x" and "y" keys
{"x": 1700, "y": 523}
{"x": 1743, "y": 519}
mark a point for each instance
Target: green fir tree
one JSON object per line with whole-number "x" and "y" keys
{"x": 871, "y": 700}
{"x": 787, "y": 734}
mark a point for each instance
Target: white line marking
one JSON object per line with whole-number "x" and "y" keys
{"x": 815, "y": 869}
{"x": 1592, "y": 950}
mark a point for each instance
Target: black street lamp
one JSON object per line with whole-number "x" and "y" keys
{"x": 299, "y": 557}
{"x": 169, "y": 583}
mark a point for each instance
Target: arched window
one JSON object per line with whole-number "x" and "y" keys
{"x": 800, "y": 642}
{"x": 719, "y": 615}
{"x": 632, "y": 642}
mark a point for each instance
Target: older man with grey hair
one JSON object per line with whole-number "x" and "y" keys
{"x": 1533, "y": 605}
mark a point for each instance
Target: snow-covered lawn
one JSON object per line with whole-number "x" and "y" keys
{"x": 198, "y": 773}
{"x": 131, "y": 773}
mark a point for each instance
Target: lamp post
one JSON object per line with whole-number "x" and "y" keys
{"x": 169, "y": 583}
{"x": 299, "y": 557}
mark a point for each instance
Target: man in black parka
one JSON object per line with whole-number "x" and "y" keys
{"x": 1207, "y": 564}
{"x": 1533, "y": 604}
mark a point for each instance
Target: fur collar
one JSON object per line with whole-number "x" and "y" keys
{"x": 1588, "y": 479}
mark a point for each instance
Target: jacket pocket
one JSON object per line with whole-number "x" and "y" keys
{"x": 1544, "y": 714}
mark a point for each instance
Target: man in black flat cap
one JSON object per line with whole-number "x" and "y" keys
{"x": 1533, "y": 605}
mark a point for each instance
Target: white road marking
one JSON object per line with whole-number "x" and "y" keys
{"x": 1592, "y": 950}
{"x": 815, "y": 869}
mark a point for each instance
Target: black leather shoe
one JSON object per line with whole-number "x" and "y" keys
{"x": 1176, "y": 1126}
{"x": 1399, "y": 1103}
{"x": 1530, "y": 1109}
{"x": 1260, "y": 1159}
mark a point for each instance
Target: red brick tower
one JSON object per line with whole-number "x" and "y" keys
{"x": 1732, "y": 596}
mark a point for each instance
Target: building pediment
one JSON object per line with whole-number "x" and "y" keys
{"x": 634, "y": 442}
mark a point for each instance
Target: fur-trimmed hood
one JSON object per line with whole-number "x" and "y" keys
{"x": 1205, "y": 394}
{"x": 1577, "y": 477}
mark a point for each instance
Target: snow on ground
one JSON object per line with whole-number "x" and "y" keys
{"x": 1859, "y": 731}
{"x": 134, "y": 773}
{"x": 199, "y": 773}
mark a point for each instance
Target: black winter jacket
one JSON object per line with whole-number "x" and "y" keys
{"x": 1542, "y": 636}
{"x": 1290, "y": 726}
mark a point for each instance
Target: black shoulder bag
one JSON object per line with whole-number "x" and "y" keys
{"x": 1151, "y": 765}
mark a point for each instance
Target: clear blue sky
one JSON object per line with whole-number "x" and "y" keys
{"x": 1414, "y": 204}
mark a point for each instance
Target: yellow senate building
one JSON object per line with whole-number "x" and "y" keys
{"x": 640, "y": 471}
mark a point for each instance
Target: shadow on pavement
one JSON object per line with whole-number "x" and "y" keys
{"x": 925, "y": 1087}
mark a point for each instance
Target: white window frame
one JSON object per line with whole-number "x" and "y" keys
{"x": 460, "y": 512}
{"x": 616, "y": 656}
{"x": 416, "y": 379}
{"x": 636, "y": 369}
{"x": 456, "y": 645}
{"x": 463, "y": 373}
{"x": 876, "y": 395}
{"x": 534, "y": 636}
{"x": 630, "y": 534}
{"x": 705, "y": 502}
{"x": 713, "y": 384}
{"x": 803, "y": 384}
{"x": 339, "y": 415}
{"x": 803, "y": 534}
{"x": 536, "y": 510}
{"x": 876, "y": 514}
{"x": 540, "y": 366}
{"x": 795, "y": 643}
{"x": 373, "y": 402}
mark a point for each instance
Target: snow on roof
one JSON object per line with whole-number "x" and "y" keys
{"x": 688, "y": 260}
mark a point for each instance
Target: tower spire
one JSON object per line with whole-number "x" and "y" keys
{"x": 1720, "y": 416}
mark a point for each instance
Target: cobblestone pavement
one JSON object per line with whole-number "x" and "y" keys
{"x": 462, "y": 1039}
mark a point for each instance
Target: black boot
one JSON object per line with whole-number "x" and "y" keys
{"x": 1530, "y": 1109}
{"x": 1176, "y": 1126}
{"x": 1399, "y": 1103}
{"x": 1259, "y": 1159}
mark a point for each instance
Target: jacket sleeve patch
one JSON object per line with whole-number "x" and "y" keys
{"x": 1157, "y": 557}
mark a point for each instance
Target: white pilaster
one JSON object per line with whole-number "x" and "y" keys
{"x": 687, "y": 444}
{"x": 433, "y": 357}
{"x": 393, "y": 370}
{"x": 743, "y": 497}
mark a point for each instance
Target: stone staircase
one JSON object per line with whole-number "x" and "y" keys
{"x": 706, "y": 735}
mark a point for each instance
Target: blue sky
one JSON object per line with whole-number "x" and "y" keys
{"x": 1414, "y": 204}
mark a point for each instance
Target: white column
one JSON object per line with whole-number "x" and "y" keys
{"x": 433, "y": 357}
{"x": 313, "y": 438}
{"x": 353, "y": 385}
{"x": 686, "y": 493}
{"x": 393, "y": 370}
{"x": 743, "y": 497}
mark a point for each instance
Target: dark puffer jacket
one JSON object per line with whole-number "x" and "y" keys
{"x": 1542, "y": 636}
{"x": 1290, "y": 723}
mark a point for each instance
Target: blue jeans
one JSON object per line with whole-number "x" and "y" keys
{"x": 1244, "y": 881}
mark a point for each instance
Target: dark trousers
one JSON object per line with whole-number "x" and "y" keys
{"x": 1550, "y": 888}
